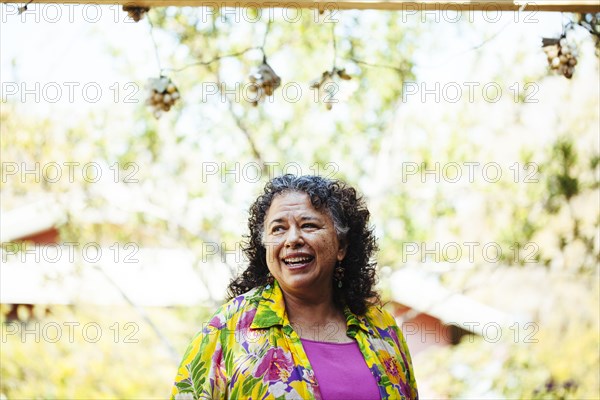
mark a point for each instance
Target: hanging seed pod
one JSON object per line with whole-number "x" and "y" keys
{"x": 136, "y": 13}
{"x": 163, "y": 95}
{"x": 343, "y": 75}
{"x": 321, "y": 84}
{"x": 263, "y": 81}
{"x": 561, "y": 54}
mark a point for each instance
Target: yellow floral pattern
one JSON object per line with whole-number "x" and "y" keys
{"x": 249, "y": 350}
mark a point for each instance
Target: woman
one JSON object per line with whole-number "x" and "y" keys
{"x": 304, "y": 321}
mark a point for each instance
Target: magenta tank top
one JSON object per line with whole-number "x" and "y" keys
{"x": 341, "y": 371}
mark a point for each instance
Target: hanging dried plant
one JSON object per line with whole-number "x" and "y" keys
{"x": 327, "y": 83}
{"x": 136, "y": 13}
{"x": 163, "y": 94}
{"x": 264, "y": 81}
{"x": 562, "y": 54}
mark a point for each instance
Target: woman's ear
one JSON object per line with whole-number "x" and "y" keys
{"x": 342, "y": 251}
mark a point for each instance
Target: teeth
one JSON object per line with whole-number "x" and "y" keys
{"x": 295, "y": 260}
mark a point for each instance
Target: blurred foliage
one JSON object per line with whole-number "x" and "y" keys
{"x": 85, "y": 352}
{"x": 554, "y": 361}
{"x": 543, "y": 210}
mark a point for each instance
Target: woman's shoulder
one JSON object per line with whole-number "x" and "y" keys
{"x": 386, "y": 326}
{"x": 235, "y": 308}
{"x": 378, "y": 316}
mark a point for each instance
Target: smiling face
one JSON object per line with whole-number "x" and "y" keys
{"x": 301, "y": 244}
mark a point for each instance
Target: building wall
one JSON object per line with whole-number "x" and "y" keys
{"x": 48, "y": 236}
{"x": 424, "y": 331}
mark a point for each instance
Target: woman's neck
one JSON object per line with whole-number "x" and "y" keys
{"x": 316, "y": 310}
{"x": 316, "y": 319}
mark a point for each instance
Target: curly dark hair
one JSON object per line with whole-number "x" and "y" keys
{"x": 350, "y": 218}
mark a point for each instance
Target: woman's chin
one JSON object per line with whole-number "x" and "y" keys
{"x": 304, "y": 282}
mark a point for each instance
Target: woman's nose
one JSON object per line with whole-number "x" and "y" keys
{"x": 293, "y": 237}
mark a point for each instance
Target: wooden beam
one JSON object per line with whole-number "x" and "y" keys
{"x": 398, "y": 5}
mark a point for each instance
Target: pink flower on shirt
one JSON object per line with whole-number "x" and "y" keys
{"x": 215, "y": 373}
{"x": 246, "y": 319}
{"x": 217, "y": 322}
{"x": 275, "y": 365}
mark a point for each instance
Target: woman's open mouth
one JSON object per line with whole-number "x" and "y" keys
{"x": 298, "y": 261}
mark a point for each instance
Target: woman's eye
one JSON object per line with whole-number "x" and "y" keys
{"x": 277, "y": 229}
{"x": 309, "y": 226}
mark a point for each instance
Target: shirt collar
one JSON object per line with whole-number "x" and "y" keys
{"x": 271, "y": 311}
{"x": 271, "y": 308}
{"x": 353, "y": 320}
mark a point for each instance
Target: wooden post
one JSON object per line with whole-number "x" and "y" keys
{"x": 398, "y": 5}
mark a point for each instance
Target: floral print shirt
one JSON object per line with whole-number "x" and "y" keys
{"x": 249, "y": 350}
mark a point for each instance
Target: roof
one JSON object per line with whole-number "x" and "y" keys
{"x": 148, "y": 277}
{"x": 31, "y": 219}
{"x": 422, "y": 291}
